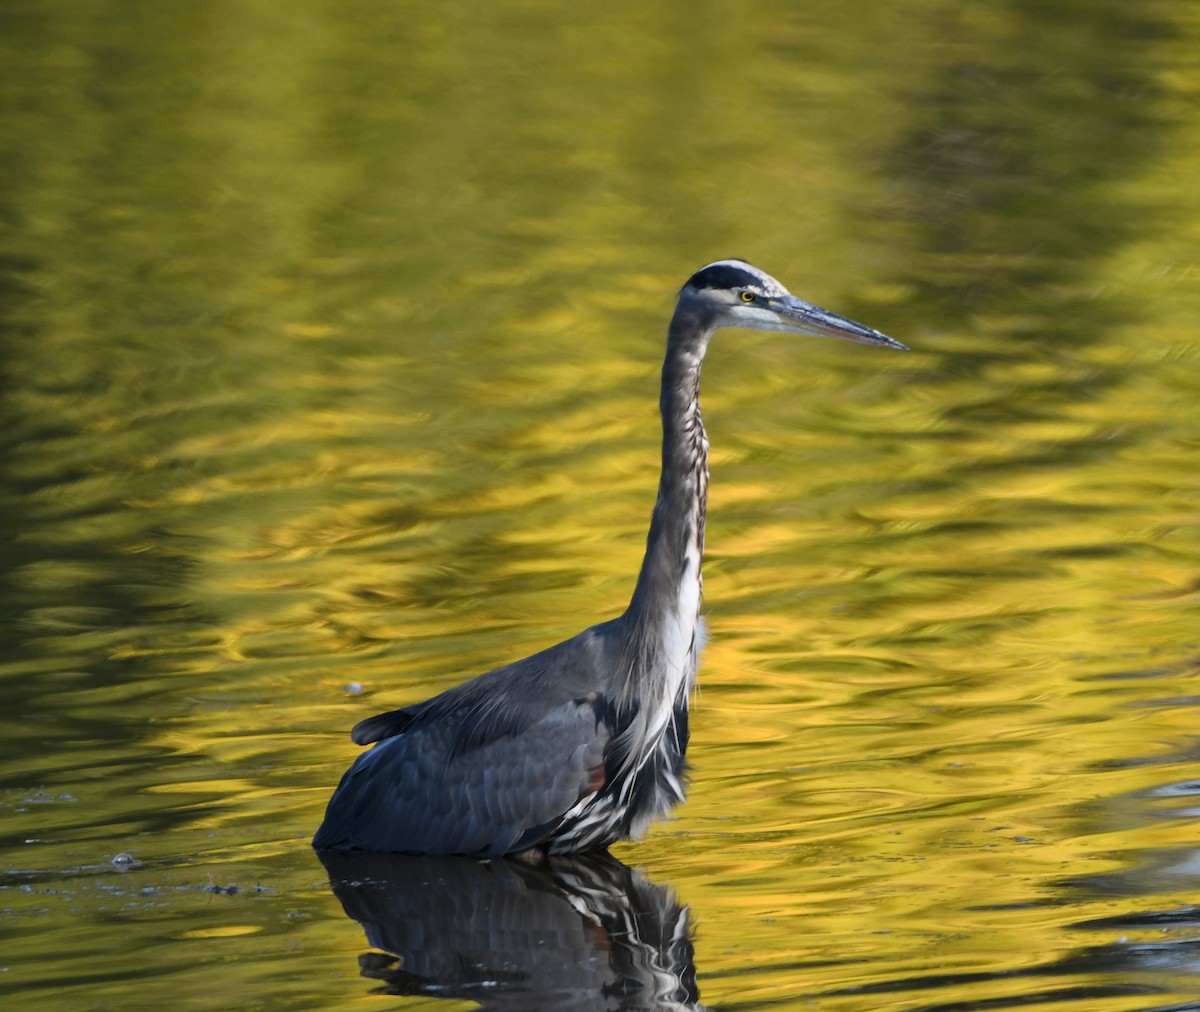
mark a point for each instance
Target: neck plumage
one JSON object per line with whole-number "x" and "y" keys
{"x": 663, "y": 614}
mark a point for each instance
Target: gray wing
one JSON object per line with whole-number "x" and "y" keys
{"x": 489, "y": 767}
{"x": 413, "y": 794}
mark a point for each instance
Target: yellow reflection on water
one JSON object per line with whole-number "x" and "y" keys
{"x": 330, "y": 369}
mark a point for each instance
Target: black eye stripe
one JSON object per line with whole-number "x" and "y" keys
{"x": 722, "y": 276}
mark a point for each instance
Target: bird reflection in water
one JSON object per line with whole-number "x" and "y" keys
{"x": 580, "y": 932}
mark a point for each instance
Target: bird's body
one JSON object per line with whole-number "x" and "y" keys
{"x": 582, "y": 744}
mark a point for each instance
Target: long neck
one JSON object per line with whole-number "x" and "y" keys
{"x": 665, "y": 607}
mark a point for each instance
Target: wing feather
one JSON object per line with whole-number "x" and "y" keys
{"x": 416, "y": 793}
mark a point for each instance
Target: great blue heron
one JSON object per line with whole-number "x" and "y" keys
{"x": 581, "y": 744}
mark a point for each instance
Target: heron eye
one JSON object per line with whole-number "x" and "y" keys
{"x": 747, "y": 296}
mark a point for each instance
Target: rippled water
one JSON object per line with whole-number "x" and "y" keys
{"x": 329, "y": 341}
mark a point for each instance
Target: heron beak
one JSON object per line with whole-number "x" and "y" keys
{"x": 805, "y": 318}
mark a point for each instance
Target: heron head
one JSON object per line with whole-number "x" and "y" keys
{"x": 733, "y": 293}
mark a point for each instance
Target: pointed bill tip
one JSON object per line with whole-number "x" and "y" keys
{"x": 891, "y": 342}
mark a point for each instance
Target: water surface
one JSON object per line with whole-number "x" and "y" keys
{"x": 328, "y": 371}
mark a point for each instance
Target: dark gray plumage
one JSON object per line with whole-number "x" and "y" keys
{"x": 582, "y": 744}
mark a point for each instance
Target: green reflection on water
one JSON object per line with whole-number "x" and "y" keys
{"x": 329, "y": 357}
